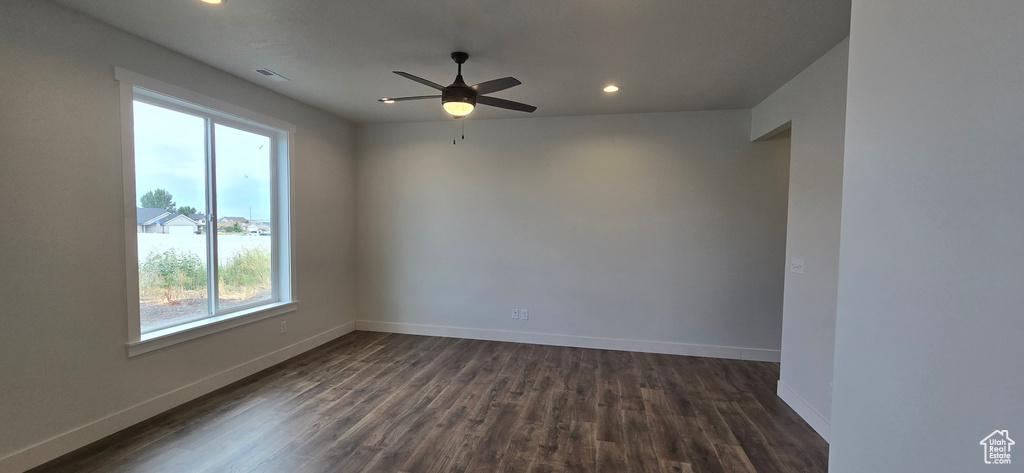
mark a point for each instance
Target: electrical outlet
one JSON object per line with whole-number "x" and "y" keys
{"x": 524, "y": 314}
{"x": 796, "y": 266}
{"x": 284, "y": 327}
{"x": 515, "y": 313}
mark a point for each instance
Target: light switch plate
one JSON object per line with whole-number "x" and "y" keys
{"x": 524, "y": 314}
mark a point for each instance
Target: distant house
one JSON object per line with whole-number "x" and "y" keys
{"x": 258, "y": 228}
{"x": 200, "y": 220}
{"x": 231, "y": 220}
{"x": 150, "y": 220}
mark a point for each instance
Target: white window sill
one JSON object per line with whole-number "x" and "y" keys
{"x": 182, "y": 333}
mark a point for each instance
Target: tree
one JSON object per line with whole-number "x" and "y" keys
{"x": 158, "y": 199}
{"x": 187, "y": 210}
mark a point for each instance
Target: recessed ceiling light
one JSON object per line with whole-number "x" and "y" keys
{"x": 611, "y": 88}
{"x": 213, "y": 2}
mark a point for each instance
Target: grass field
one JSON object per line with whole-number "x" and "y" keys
{"x": 173, "y": 273}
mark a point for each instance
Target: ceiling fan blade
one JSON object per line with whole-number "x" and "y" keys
{"x": 496, "y": 85}
{"x": 420, "y": 80}
{"x": 403, "y": 99}
{"x": 502, "y": 103}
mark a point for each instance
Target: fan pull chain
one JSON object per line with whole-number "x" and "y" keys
{"x": 455, "y": 129}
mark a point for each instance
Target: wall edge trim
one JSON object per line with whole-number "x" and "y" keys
{"x": 805, "y": 410}
{"x": 647, "y": 346}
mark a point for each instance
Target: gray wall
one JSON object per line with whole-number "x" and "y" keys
{"x": 664, "y": 227}
{"x": 930, "y": 331}
{"x": 813, "y": 104}
{"x": 63, "y": 335}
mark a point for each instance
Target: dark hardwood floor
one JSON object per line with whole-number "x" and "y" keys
{"x": 402, "y": 403}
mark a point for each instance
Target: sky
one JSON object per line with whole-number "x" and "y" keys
{"x": 169, "y": 154}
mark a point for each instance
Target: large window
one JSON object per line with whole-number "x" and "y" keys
{"x": 209, "y": 244}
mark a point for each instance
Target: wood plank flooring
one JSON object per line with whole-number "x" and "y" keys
{"x": 374, "y": 402}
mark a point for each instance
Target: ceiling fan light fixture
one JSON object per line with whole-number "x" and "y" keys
{"x": 458, "y": 109}
{"x": 459, "y": 99}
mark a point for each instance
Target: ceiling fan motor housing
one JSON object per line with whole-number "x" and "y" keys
{"x": 458, "y": 92}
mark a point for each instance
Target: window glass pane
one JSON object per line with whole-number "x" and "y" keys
{"x": 244, "y": 237}
{"x": 170, "y": 182}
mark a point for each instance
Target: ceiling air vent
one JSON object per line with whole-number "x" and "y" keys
{"x": 272, "y": 75}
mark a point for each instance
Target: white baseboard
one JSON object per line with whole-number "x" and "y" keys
{"x": 71, "y": 440}
{"x": 818, "y": 422}
{"x": 668, "y": 348}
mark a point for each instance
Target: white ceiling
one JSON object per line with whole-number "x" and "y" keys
{"x": 666, "y": 55}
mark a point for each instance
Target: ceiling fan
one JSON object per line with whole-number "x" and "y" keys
{"x": 459, "y": 99}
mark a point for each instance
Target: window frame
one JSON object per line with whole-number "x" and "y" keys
{"x": 132, "y": 87}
